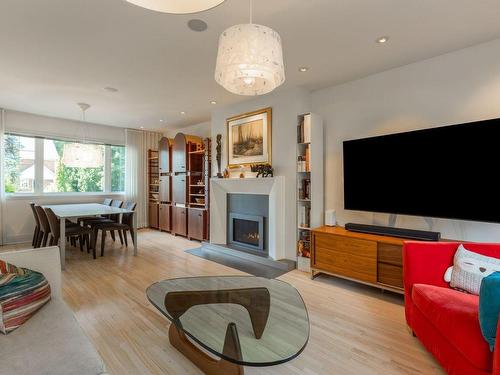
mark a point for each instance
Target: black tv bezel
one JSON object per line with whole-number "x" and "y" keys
{"x": 430, "y": 129}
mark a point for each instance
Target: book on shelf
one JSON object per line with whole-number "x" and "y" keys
{"x": 307, "y": 129}
{"x": 304, "y": 216}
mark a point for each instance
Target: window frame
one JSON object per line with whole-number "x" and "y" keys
{"x": 39, "y": 163}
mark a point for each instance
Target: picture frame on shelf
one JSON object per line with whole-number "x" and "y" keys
{"x": 249, "y": 138}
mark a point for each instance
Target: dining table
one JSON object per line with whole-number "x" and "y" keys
{"x": 78, "y": 210}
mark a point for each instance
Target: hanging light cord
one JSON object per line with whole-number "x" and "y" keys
{"x": 251, "y": 12}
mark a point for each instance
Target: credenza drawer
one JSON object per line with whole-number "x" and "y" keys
{"x": 349, "y": 265}
{"x": 390, "y": 254}
{"x": 390, "y": 275}
{"x": 347, "y": 245}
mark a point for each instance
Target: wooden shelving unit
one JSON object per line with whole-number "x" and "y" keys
{"x": 309, "y": 198}
{"x": 153, "y": 187}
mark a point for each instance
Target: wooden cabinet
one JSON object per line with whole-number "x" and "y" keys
{"x": 371, "y": 259}
{"x": 179, "y": 189}
{"x": 165, "y": 189}
{"x": 164, "y": 155}
{"x": 179, "y": 153}
{"x": 197, "y": 224}
{"x": 153, "y": 215}
{"x": 179, "y": 221}
{"x": 164, "y": 217}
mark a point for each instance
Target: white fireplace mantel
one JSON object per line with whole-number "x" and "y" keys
{"x": 274, "y": 187}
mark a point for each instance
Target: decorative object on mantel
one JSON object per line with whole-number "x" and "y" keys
{"x": 219, "y": 155}
{"x": 264, "y": 170}
{"x": 176, "y": 6}
{"x": 226, "y": 173}
{"x": 249, "y": 138}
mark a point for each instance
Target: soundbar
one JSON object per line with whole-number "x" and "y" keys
{"x": 421, "y": 235}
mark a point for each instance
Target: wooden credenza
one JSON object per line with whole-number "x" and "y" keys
{"x": 370, "y": 259}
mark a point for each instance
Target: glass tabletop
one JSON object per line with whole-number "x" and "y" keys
{"x": 269, "y": 316}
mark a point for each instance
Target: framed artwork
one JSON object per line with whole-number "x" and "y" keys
{"x": 249, "y": 138}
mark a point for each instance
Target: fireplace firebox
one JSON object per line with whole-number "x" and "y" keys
{"x": 246, "y": 231}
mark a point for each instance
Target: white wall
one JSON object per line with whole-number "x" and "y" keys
{"x": 453, "y": 88}
{"x": 286, "y": 105}
{"x": 202, "y": 130}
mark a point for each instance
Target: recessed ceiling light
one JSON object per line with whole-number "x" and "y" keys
{"x": 213, "y": 102}
{"x": 183, "y": 113}
{"x": 142, "y": 127}
{"x": 382, "y": 39}
{"x": 111, "y": 89}
{"x": 303, "y": 69}
{"x": 161, "y": 120}
{"x": 197, "y": 25}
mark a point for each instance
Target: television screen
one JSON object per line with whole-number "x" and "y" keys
{"x": 446, "y": 172}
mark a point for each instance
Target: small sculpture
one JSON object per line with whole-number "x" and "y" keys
{"x": 226, "y": 173}
{"x": 218, "y": 149}
{"x": 266, "y": 170}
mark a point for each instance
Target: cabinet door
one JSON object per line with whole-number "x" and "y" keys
{"x": 164, "y": 155}
{"x": 165, "y": 189}
{"x": 153, "y": 215}
{"x": 179, "y": 189}
{"x": 179, "y": 220}
{"x": 179, "y": 153}
{"x": 164, "y": 217}
{"x": 197, "y": 224}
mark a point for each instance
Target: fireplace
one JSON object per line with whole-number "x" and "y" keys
{"x": 247, "y": 231}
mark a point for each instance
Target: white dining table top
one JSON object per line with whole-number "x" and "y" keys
{"x": 84, "y": 209}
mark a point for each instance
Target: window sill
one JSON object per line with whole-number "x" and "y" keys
{"x": 31, "y": 196}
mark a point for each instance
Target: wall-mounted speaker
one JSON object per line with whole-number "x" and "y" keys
{"x": 330, "y": 218}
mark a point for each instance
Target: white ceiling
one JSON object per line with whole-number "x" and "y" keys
{"x": 55, "y": 53}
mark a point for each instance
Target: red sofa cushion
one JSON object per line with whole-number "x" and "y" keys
{"x": 455, "y": 315}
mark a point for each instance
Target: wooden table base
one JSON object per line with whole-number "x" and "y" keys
{"x": 203, "y": 361}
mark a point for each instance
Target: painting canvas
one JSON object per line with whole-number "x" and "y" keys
{"x": 249, "y": 138}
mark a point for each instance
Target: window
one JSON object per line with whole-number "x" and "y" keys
{"x": 19, "y": 164}
{"x": 35, "y": 165}
{"x": 117, "y": 168}
{"x": 72, "y": 167}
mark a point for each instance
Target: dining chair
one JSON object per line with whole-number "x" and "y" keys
{"x": 37, "y": 225}
{"x": 126, "y": 225}
{"x": 89, "y": 220}
{"x": 43, "y": 234}
{"x": 77, "y": 232}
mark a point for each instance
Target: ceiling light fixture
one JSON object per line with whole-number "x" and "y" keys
{"x": 111, "y": 89}
{"x": 213, "y": 102}
{"x": 303, "y": 69}
{"x": 177, "y": 6}
{"x": 250, "y": 59}
{"x": 161, "y": 120}
{"x": 142, "y": 127}
{"x": 382, "y": 39}
{"x": 183, "y": 113}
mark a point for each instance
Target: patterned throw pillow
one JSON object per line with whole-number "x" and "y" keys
{"x": 22, "y": 293}
{"x": 470, "y": 268}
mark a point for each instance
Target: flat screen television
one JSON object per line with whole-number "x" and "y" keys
{"x": 446, "y": 172}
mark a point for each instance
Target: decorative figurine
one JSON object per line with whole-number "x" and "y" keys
{"x": 266, "y": 170}
{"x": 219, "y": 154}
{"x": 226, "y": 173}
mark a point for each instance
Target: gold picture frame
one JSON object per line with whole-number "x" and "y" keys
{"x": 249, "y": 138}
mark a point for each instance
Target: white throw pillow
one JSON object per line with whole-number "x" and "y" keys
{"x": 469, "y": 269}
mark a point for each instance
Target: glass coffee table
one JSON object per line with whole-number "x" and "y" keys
{"x": 243, "y": 320}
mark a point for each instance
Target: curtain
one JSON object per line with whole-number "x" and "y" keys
{"x": 2, "y": 188}
{"x": 137, "y": 143}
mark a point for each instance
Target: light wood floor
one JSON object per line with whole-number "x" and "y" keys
{"x": 355, "y": 330}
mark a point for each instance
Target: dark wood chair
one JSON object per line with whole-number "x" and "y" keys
{"x": 84, "y": 235}
{"x": 37, "y": 225}
{"x": 89, "y": 220}
{"x": 126, "y": 225}
{"x": 44, "y": 232}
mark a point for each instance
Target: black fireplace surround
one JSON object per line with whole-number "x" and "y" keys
{"x": 247, "y": 223}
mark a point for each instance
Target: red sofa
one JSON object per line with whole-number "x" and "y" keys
{"x": 446, "y": 320}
